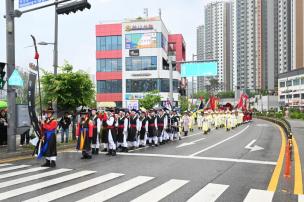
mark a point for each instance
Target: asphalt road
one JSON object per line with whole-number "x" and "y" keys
{"x": 233, "y": 166}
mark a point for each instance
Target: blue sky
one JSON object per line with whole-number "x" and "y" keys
{"x": 77, "y": 31}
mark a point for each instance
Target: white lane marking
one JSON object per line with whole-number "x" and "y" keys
{"x": 253, "y": 148}
{"x": 200, "y": 158}
{"x": 5, "y": 164}
{"x": 212, "y": 146}
{"x": 32, "y": 177}
{"x": 255, "y": 195}
{"x": 13, "y": 168}
{"x": 209, "y": 193}
{"x": 41, "y": 185}
{"x": 174, "y": 141}
{"x": 118, "y": 189}
{"x": 300, "y": 198}
{"x": 21, "y": 172}
{"x": 189, "y": 143}
{"x": 161, "y": 191}
{"x": 75, "y": 188}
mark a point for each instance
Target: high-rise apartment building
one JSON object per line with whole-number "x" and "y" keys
{"x": 297, "y": 34}
{"x": 216, "y": 35}
{"x": 284, "y": 38}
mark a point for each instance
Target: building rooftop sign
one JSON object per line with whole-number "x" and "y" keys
{"x": 139, "y": 27}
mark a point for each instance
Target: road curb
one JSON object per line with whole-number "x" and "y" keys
{"x": 20, "y": 155}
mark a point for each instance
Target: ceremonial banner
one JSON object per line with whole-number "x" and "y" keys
{"x": 31, "y": 103}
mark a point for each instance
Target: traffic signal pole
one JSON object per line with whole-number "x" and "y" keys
{"x": 10, "y": 60}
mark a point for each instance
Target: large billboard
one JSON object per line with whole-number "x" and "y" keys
{"x": 141, "y": 40}
{"x": 199, "y": 68}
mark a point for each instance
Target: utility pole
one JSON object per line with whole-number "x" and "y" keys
{"x": 55, "y": 56}
{"x": 170, "y": 80}
{"x": 10, "y": 60}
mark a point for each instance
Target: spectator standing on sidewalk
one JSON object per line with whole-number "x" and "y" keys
{"x": 25, "y": 138}
{"x": 64, "y": 124}
{"x": 3, "y": 127}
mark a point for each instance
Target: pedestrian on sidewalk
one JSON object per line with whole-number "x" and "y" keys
{"x": 3, "y": 127}
{"x": 64, "y": 124}
{"x": 25, "y": 138}
{"x": 85, "y": 133}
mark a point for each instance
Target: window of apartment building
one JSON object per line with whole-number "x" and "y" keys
{"x": 296, "y": 82}
{"x": 282, "y": 97}
{"x": 109, "y": 86}
{"x": 296, "y": 95}
{"x": 289, "y": 96}
{"x": 282, "y": 84}
{"x": 289, "y": 83}
{"x": 109, "y": 65}
{"x": 302, "y": 81}
{"x": 302, "y": 96}
{"x": 108, "y": 43}
{"x": 141, "y": 63}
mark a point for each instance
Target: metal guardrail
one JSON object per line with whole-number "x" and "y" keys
{"x": 281, "y": 122}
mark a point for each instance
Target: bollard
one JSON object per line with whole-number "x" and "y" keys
{"x": 287, "y": 161}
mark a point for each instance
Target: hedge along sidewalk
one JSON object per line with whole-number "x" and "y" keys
{"x": 27, "y": 151}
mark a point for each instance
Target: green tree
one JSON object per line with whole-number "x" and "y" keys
{"x": 226, "y": 94}
{"x": 22, "y": 93}
{"x": 70, "y": 89}
{"x": 150, "y": 99}
{"x": 203, "y": 94}
{"x": 184, "y": 103}
{"x": 213, "y": 86}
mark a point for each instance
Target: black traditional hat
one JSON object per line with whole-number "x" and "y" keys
{"x": 50, "y": 109}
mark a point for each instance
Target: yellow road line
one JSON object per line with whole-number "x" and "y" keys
{"x": 298, "y": 185}
{"x": 277, "y": 171}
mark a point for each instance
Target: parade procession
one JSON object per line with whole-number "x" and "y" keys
{"x": 112, "y": 130}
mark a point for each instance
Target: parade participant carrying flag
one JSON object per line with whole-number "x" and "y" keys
{"x": 48, "y": 147}
{"x": 84, "y": 133}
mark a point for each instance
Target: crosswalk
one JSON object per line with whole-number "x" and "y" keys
{"x": 19, "y": 182}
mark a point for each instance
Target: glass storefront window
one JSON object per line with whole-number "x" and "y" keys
{"x": 109, "y": 65}
{"x": 108, "y": 43}
{"x": 109, "y": 86}
{"x": 141, "y": 63}
{"x": 141, "y": 86}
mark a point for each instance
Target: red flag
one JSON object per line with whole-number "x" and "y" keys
{"x": 36, "y": 56}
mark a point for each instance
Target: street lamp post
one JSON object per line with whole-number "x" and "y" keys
{"x": 55, "y": 56}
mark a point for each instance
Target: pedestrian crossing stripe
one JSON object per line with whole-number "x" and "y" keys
{"x": 21, "y": 172}
{"x": 210, "y": 192}
{"x": 13, "y": 168}
{"x": 161, "y": 191}
{"x": 118, "y": 189}
{"x": 33, "y": 177}
{"x": 259, "y": 195}
{"x": 41, "y": 185}
{"x": 75, "y": 188}
{"x": 5, "y": 164}
{"x": 301, "y": 198}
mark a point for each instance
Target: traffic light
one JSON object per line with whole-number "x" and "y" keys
{"x": 2, "y": 74}
{"x": 73, "y": 7}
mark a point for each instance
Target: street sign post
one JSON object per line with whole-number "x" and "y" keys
{"x": 15, "y": 79}
{"x": 24, "y": 3}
